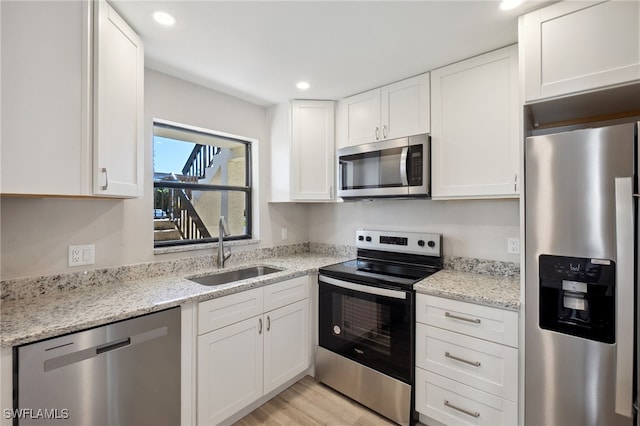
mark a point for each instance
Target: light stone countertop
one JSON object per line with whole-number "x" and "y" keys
{"x": 46, "y": 307}
{"x": 490, "y": 290}
{"x": 30, "y": 319}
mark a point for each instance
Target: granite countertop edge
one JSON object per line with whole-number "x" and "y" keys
{"x": 490, "y": 290}
{"x": 29, "y": 320}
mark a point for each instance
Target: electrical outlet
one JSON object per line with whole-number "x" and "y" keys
{"x": 513, "y": 245}
{"x": 82, "y": 255}
{"x": 285, "y": 234}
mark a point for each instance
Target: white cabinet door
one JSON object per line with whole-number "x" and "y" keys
{"x": 56, "y": 113}
{"x": 230, "y": 371}
{"x": 405, "y": 107}
{"x": 286, "y": 344}
{"x": 474, "y": 128}
{"x": 393, "y": 111}
{"x": 572, "y": 47}
{"x": 45, "y": 95}
{"x": 360, "y": 118}
{"x": 118, "y": 107}
{"x": 312, "y": 150}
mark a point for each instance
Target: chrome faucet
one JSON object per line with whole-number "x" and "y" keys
{"x": 223, "y": 231}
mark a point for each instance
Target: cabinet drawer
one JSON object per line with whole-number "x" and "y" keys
{"x": 285, "y": 292}
{"x": 484, "y": 322}
{"x": 220, "y": 312}
{"x": 453, "y": 403}
{"x": 487, "y": 366}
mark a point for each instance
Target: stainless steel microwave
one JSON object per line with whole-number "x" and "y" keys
{"x": 393, "y": 168}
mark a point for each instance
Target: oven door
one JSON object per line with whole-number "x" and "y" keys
{"x": 371, "y": 325}
{"x": 397, "y": 167}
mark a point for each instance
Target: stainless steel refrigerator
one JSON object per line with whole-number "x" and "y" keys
{"x": 581, "y": 276}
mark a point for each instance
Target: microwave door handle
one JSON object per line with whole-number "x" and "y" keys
{"x": 403, "y": 166}
{"x": 625, "y": 296}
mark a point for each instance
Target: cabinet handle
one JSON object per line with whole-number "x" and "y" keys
{"x": 515, "y": 183}
{"x": 106, "y": 178}
{"x": 259, "y": 325}
{"x": 474, "y": 363}
{"x": 384, "y": 131}
{"x": 449, "y": 315}
{"x": 377, "y": 133}
{"x": 268, "y": 323}
{"x": 462, "y": 410}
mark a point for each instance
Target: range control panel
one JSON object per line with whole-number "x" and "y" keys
{"x": 400, "y": 241}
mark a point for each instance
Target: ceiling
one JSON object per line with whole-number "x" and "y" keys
{"x": 258, "y": 50}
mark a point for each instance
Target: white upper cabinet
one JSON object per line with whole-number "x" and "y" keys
{"x": 475, "y": 127}
{"x": 405, "y": 107}
{"x": 71, "y": 101}
{"x": 303, "y": 151}
{"x": 572, "y": 47}
{"x": 118, "y": 108}
{"x": 393, "y": 111}
{"x": 360, "y": 118}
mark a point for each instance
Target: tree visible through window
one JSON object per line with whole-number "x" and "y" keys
{"x": 198, "y": 176}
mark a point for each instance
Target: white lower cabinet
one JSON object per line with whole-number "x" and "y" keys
{"x": 229, "y": 370}
{"x": 242, "y": 357}
{"x": 466, "y": 362}
{"x": 285, "y": 344}
{"x": 454, "y": 403}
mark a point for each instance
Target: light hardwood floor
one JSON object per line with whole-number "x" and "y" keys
{"x": 310, "y": 403}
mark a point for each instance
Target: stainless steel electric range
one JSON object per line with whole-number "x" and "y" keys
{"x": 366, "y": 319}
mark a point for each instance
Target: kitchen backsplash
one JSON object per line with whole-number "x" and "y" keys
{"x": 22, "y": 288}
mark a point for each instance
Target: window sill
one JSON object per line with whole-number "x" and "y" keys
{"x": 203, "y": 246}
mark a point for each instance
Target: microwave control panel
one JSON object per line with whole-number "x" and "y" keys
{"x": 415, "y": 165}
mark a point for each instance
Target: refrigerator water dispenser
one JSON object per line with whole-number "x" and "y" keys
{"x": 577, "y": 297}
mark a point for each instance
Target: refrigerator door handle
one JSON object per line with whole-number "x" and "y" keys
{"x": 625, "y": 227}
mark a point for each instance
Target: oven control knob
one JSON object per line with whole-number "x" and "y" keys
{"x": 421, "y": 243}
{"x": 368, "y": 239}
{"x": 431, "y": 244}
{"x": 360, "y": 238}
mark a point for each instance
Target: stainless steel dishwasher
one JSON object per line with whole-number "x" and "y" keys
{"x": 125, "y": 373}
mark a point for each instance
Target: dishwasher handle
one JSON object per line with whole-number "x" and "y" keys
{"x": 81, "y": 355}
{"x": 112, "y": 346}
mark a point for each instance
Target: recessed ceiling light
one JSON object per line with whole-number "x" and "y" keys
{"x": 303, "y": 85}
{"x": 164, "y": 18}
{"x": 510, "y": 4}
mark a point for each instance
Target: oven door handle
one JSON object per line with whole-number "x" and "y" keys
{"x": 395, "y": 294}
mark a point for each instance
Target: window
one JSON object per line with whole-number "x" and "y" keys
{"x": 198, "y": 176}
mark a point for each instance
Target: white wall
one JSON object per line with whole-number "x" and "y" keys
{"x": 471, "y": 228}
{"x": 36, "y": 232}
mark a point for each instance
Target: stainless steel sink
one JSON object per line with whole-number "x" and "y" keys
{"x": 237, "y": 275}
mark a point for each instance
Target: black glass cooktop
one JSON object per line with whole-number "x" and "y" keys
{"x": 380, "y": 272}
